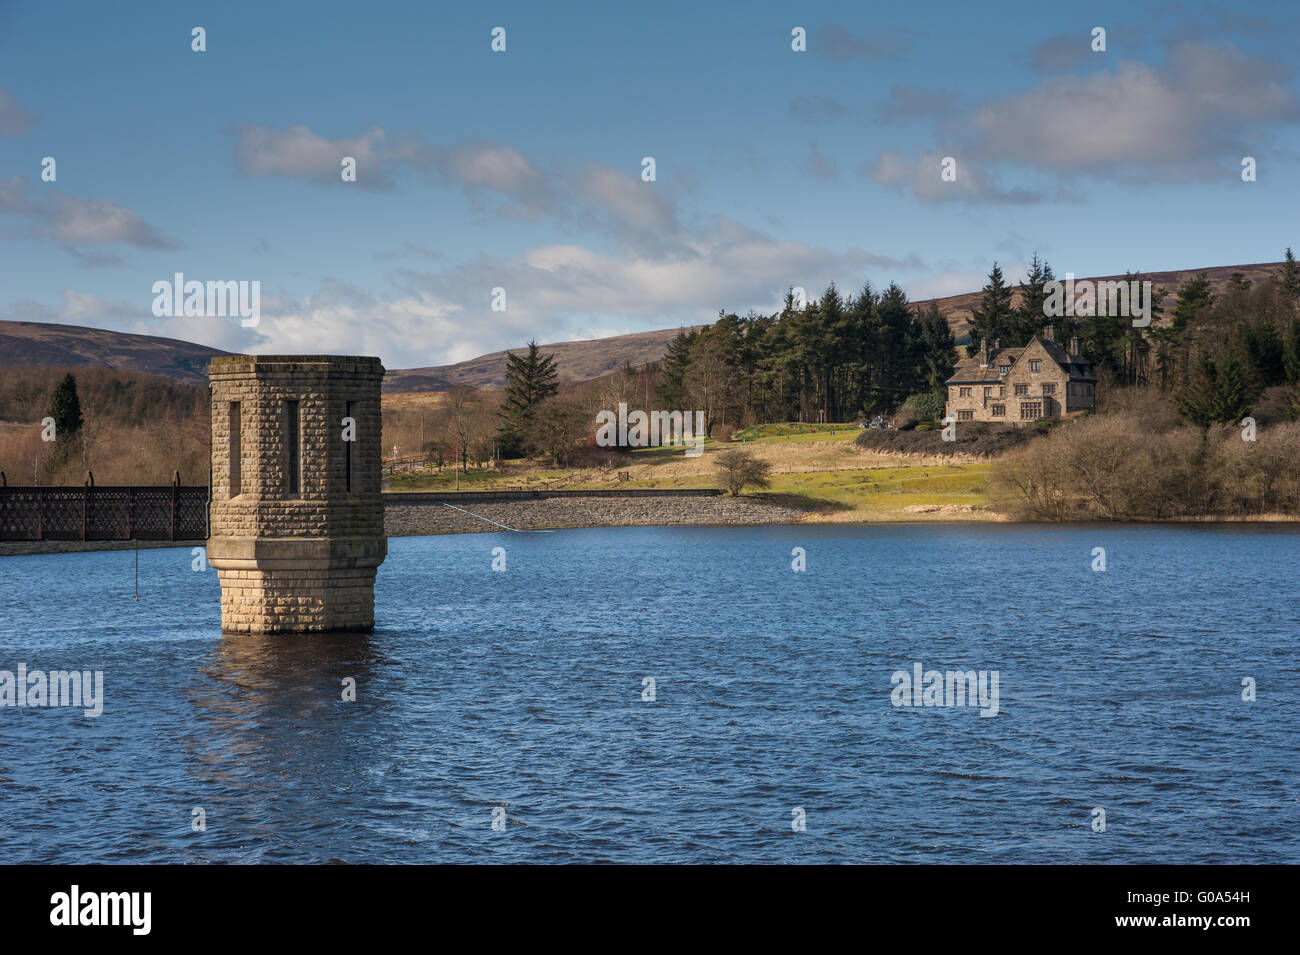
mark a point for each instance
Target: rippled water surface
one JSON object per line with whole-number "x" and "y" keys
{"x": 479, "y": 689}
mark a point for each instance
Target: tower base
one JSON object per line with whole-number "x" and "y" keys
{"x": 311, "y": 592}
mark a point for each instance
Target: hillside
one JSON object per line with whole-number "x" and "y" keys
{"x": 33, "y": 343}
{"x": 30, "y": 344}
{"x": 584, "y": 360}
{"x": 959, "y": 309}
{"x": 575, "y": 361}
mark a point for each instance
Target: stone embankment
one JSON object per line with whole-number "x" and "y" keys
{"x": 430, "y": 517}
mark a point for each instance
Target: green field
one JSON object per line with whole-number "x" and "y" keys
{"x": 884, "y": 494}
{"x": 948, "y": 492}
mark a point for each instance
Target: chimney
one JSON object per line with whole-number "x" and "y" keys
{"x": 984, "y": 352}
{"x": 997, "y": 344}
{"x": 1049, "y": 333}
{"x": 1074, "y": 346}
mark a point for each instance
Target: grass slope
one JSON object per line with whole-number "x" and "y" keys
{"x": 816, "y": 468}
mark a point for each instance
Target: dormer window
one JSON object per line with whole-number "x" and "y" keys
{"x": 1003, "y": 369}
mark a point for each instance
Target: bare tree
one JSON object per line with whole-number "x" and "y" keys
{"x": 712, "y": 383}
{"x": 558, "y": 425}
{"x": 464, "y": 419}
{"x": 737, "y": 468}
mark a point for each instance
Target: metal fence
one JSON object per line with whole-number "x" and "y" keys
{"x": 89, "y": 513}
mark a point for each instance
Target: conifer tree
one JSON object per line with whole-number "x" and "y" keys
{"x": 1291, "y": 275}
{"x": 1031, "y": 314}
{"x": 994, "y": 319}
{"x": 530, "y": 380}
{"x": 671, "y": 390}
{"x": 1217, "y": 393}
{"x": 1291, "y": 351}
{"x": 937, "y": 354}
{"x": 65, "y": 408}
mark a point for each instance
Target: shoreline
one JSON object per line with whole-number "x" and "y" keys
{"x": 576, "y": 512}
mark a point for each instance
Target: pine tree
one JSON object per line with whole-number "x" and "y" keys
{"x": 1231, "y": 391}
{"x": 898, "y": 370}
{"x": 994, "y": 319}
{"x": 937, "y": 355}
{"x": 1291, "y": 351}
{"x": 65, "y": 408}
{"x": 671, "y": 390}
{"x": 1031, "y": 315}
{"x": 1196, "y": 397}
{"x": 1291, "y": 274}
{"x": 1193, "y": 297}
{"x": 1218, "y": 392}
{"x": 530, "y": 380}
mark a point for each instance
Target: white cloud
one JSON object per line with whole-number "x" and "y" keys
{"x": 1190, "y": 119}
{"x": 494, "y": 167}
{"x": 920, "y": 175}
{"x": 298, "y": 152}
{"x": 80, "y": 222}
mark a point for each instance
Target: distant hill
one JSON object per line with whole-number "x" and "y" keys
{"x": 959, "y": 309}
{"x": 575, "y": 361}
{"x": 36, "y": 343}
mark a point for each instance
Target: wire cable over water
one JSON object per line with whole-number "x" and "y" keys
{"x": 490, "y": 521}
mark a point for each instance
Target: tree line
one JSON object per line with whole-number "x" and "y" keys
{"x": 126, "y": 427}
{"x": 1217, "y": 354}
{"x": 840, "y": 357}
{"x": 835, "y": 358}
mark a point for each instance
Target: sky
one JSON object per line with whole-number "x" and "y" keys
{"x": 523, "y": 169}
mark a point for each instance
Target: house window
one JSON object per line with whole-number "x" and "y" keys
{"x": 1002, "y": 391}
{"x": 963, "y": 392}
{"x": 1003, "y": 369}
{"x": 999, "y": 411}
{"x": 292, "y": 449}
{"x": 965, "y": 415}
{"x": 236, "y": 451}
{"x": 1031, "y": 410}
{"x": 1022, "y": 389}
{"x": 1049, "y": 389}
{"x": 1035, "y": 364}
{"x": 988, "y": 393}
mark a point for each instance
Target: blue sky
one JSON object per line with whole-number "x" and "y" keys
{"x": 522, "y": 169}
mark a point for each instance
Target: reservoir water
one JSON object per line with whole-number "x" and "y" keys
{"x": 523, "y": 697}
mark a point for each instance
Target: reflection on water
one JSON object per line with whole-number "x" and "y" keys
{"x": 523, "y": 690}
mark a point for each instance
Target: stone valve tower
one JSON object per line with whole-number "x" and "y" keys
{"x": 296, "y": 522}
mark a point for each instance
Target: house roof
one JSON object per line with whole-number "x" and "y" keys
{"x": 969, "y": 372}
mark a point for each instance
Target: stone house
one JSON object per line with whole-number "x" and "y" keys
{"x": 1022, "y": 385}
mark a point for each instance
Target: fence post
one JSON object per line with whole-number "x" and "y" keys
{"x": 86, "y": 494}
{"x": 176, "y": 490}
